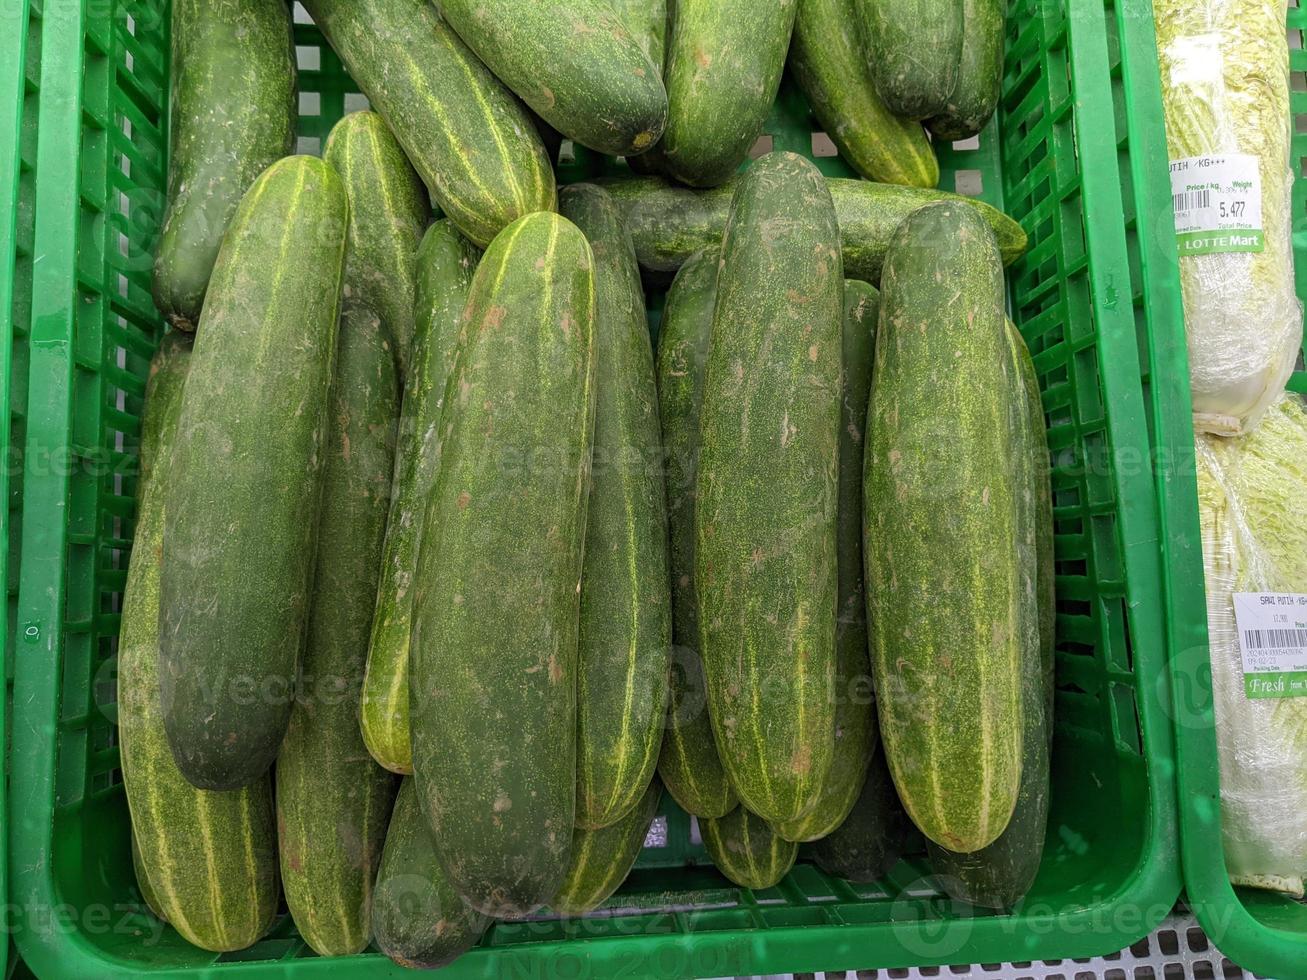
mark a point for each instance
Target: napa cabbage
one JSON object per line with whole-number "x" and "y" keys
{"x": 1225, "y": 90}
{"x": 1252, "y": 494}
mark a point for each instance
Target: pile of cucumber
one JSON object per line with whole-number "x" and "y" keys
{"x": 441, "y": 573}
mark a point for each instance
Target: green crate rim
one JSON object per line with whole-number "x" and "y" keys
{"x": 1223, "y": 913}
{"x": 1082, "y": 930}
{"x": 13, "y": 91}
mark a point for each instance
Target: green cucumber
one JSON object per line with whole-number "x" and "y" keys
{"x": 148, "y": 894}
{"x": 855, "y": 717}
{"x": 444, "y": 267}
{"x": 333, "y": 801}
{"x": 1044, "y": 557}
{"x": 980, "y": 72}
{"x": 647, "y": 22}
{"x": 871, "y": 839}
{"x": 419, "y": 920}
{"x": 232, "y": 114}
{"x": 746, "y": 850}
{"x": 688, "y": 764}
{"x": 492, "y": 689}
{"x": 626, "y": 617}
{"x": 472, "y": 142}
{"x": 669, "y": 223}
{"x": 915, "y": 50}
{"x": 208, "y": 861}
{"x": 724, "y": 62}
{"x": 829, "y": 62}
{"x": 238, "y": 552}
{"x": 998, "y": 876}
{"x": 601, "y": 859}
{"x": 572, "y": 61}
{"x": 767, "y": 488}
{"x": 390, "y": 210}
{"x": 943, "y": 572}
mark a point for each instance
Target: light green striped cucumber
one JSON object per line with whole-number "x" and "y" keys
{"x": 998, "y": 876}
{"x": 767, "y": 489}
{"x": 232, "y": 114}
{"x": 855, "y": 717}
{"x": 492, "y": 689}
{"x": 572, "y": 61}
{"x": 472, "y": 142}
{"x": 669, "y": 223}
{"x": 915, "y": 49}
{"x": 238, "y": 551}
{"x": 419, "y": 920}
{"x": 626, "y": 616}
{"x": 871, "y": 839}
{"x": 390, "y": 210}
{"x": 601, "y": 859}
{"x": 830, "y": 64}
{"x": 724, "y": 62}
{"x": 647, "y": 22}
{"x": 980, "y": 72}
{"x": 688, "y": 764}
{"x": 444, "y": 268}
{"x": 944, "y": 576}
{"x": 746, "y": 849}
{"x": 148, "y": 893}
{"x": 333, "y": 801}
{"x": 210, "y": 858}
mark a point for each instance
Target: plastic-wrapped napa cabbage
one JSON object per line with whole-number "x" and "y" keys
{"x": 1252, "y": 494}
{"x": 1225, "y": 93}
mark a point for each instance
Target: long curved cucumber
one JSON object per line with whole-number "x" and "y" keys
{"x": 208, "y": 860}
{"x": 232, "y": 114}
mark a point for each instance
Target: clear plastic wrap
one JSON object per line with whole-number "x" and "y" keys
{"x": 1225, "y": 94}
{"x": 1252, "y": 494}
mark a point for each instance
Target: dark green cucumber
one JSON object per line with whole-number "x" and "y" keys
{"x": 238, "y": 552}
{"x": 829, "y": 62}
{"x": 1044, "y": 557}
{"x": 471, "y": 141}
{"x": 208, "y": 861}
{"x": 980, "y": 72}
{"x": 767, "y": 489}
{"x": 572, "y": 61}
{"x": 232, "y": 114}
{"x": 601, "y": 859}
{"x": 915, "y": 49}
{"x": 148, "y": 894}
{"x": 943, "y": 570}
{"x": 870, "y": 840}
{"x": 647, "y": 22}
{"x": 688, "y": 764}
{"x": 444, "y": 267}
{"x": 724, "y": 62}
{"x": 492, "y": 690}
{"x": 418, "y": 918}
{"x": 333, "y": 800}
{"x": 998, "y": 876}
{"x": 669, "y": 223}
{"x": 855, "y": 716}
{"x": 626, "y": 616}
{"x": 389, "y": 210}
{"x": 746, "y": 850}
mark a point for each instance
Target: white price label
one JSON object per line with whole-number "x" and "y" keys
{"x": 1218, "y": 204}
{"x": 1272, "y": 628}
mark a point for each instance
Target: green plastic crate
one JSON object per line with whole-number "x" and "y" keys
{"x": 17, "y": 159}
{"x": 1109, "y": 871}
{"x": 1261, "y": 931}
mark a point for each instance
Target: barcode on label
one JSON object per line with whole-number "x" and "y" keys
{"x": 1191, "y": 200}
{"x": 1274, "y": 639}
